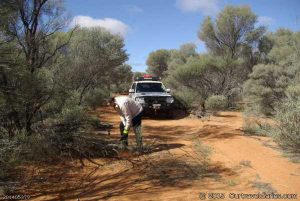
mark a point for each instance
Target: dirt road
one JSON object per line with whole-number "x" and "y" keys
{"x": 187, "y": 157}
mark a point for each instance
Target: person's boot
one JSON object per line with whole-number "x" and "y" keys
{"x": 138, "y": 137}
{"x": 124, "y": 142}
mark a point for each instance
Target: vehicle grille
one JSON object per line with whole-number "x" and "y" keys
{"x": 155, "y": 99}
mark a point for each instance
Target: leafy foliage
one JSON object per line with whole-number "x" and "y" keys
{"x": 49, "y": 79}
{"x": 95, "y": 62}
{"x": 96, "y": 97}
{"x": 216, "y": 103}
{"x": 269, "y": 84}
{"x": 273, "y": 88}
{"x": 232, "y": 33}
{"x": 233, "y": 42}
{"x": 287, "y": 130}
{"x": 158, "y": 62}
{"x": 206, "y": 75}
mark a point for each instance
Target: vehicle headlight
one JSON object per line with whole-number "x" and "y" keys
{"x": 170, "y": 99}
{"x": 140, "y": 99}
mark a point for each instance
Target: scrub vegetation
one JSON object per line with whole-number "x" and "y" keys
{"x": 49, "y": 81}
{"x": 244, "y": 64}
{"x": 53, "y": 77}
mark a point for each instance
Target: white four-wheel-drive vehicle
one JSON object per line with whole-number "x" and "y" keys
{"x": 150, "y": 92}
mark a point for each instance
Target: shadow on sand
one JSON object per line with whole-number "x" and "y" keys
{"x": 149, "y": 175}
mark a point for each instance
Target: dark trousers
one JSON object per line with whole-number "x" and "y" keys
{"x": 136, "y": 121}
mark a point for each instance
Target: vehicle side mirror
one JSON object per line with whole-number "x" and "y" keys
{"x": 168, "y": 90}
{"x": 131, "y": 90}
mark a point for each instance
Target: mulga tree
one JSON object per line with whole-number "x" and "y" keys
{"x": 157, "y": 62}
{"x": 271, "y": 83}
{"x": 95, "y": 58}
{"x": 27, "y": 86}
{"x": 233, "y": 35}
{"x": 232, "y": 40}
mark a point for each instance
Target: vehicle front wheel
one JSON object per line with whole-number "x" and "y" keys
{"x": 170, "y": 114}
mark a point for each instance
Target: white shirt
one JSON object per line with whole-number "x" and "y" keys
{"x": 128, "y": 109}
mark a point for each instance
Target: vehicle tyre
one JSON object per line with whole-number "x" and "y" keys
{"x": 170, "y": 114}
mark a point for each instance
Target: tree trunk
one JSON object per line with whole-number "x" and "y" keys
{"x": 28, "y": 127}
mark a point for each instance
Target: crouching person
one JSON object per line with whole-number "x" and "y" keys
{"x": 130, "y": 113}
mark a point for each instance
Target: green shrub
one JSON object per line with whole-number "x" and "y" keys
{"x": 250, "y": 127}
{"x": 52, "y": 137}
{"x": 234, "y": 96}
{"x": 287, "y": 130}
{"x": 189, "y": 99}
{"x": 96, "y": 98}
{"x": 293, "y": 91}
{"x": 255, "y": 125}
{"x": 216, "y": 103}
{"x": 266, "y": 87}
{"x": 36, "y": 147}
{"x": 94, "y": 121}
{"x": 60, "y": 98}
{"x": 9, "y": 152}
{"x": 72, "y": 115}
{"x": 61, "y": 131}
{"x": 271, "y": 83}
{"x": 49, "y": 140}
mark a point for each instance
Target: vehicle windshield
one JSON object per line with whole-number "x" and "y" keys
{"x": 149, "y": 87}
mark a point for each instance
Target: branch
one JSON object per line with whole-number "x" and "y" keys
{"x": 56, "y": 49}
{"x": 35, "y": 16}
{"x": 19, "y": 40}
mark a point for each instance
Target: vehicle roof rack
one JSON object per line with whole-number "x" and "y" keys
{"x": 148, "y": 77}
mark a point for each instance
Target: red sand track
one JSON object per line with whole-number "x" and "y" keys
{"x": 176, "y": 169}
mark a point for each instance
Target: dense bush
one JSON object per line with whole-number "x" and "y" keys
{"x": 54, "y": 138}
{"x": 216, "y": 103}
{"x": 94, "y": 65}
{"x": 72, "y": 115}
{"x": 48, "y": 83}
{"x": 97, "y": 97}
{"x": 9, "y": 154}
{"x": 273, "y": 89}
{"x": 188, "y": 98}
{"x": 287, "y": 129}
{"x": 269, "y": 84}
{"x": 10, "y": 157}
{"x": 158, "y": 62}
{"x": 233, "y": 41}
{"x": 94, "y": 121}
{"x": 256, "y": 125}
